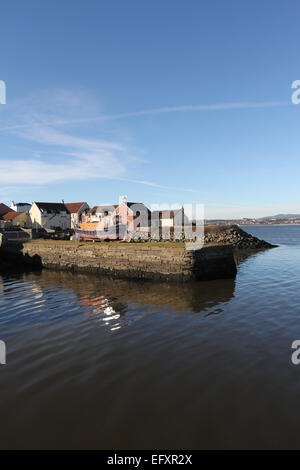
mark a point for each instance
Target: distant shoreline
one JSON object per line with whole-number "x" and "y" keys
{"x": 269, "y": 225}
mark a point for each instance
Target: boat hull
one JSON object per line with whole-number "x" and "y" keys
{"x": 117, "y": 232}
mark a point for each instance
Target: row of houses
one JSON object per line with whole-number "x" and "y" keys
{"x": 46, "y": 215}
{"x": 65, "y": 216}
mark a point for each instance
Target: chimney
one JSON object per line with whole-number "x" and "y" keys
{"x": 123, "y": 199}
{"x": 62, "y": 201}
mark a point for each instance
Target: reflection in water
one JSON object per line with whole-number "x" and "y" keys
{"x": 107, "y": 299}
{"x": 240, "y": 256}
{"x": 100, "y": 307}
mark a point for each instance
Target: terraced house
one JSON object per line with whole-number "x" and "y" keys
{"x": 50, "y": 215}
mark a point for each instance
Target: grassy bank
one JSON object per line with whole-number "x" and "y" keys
{"x": 111, "y": 244}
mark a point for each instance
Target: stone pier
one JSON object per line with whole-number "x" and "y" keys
{"x": 152, "y": 260}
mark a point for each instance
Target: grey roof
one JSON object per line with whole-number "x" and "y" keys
{"x": 132, "y": 203}
{"x": 102, "y": 207}
{"x": 129, "y": 204}
{"x": 52, "y": 207}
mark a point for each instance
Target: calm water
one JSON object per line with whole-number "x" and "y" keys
{"x": 96, "y": 363}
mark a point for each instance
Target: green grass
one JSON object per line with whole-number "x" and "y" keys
{"x": 135, "y": 245}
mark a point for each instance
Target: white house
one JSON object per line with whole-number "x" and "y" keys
{"x": 50, "y": 215}
{"x": 97, "y": 213}
{"x": 77, "y": 210}
{"x": 20, "y": 206}
{"x": 169, "y": 218}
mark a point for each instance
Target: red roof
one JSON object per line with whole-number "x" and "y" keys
{"x": 4, "y": 209}
{"x": 74, "y": 207}
{"x": 11, "y": 215}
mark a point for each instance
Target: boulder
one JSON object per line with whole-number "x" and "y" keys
{"x": 235, "y": 236}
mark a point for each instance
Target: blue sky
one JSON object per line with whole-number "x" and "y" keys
{"x": 164, "y": 101}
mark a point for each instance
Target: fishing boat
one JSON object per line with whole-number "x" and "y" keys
{"x": 98, "y": 232}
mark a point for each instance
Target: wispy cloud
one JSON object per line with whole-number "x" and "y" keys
{"x": 60, "y": 152}
{"x": 57, "y": 153}
{"x": 64, "y": 153}
{"x": 239, "y": 105}
{"x": 200, "y": 108}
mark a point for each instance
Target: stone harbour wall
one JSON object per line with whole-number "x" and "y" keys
{"x": 147, "y": 261}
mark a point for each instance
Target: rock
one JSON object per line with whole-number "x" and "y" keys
{"x": 13, "y": 259}
{"x": 235, "y": 236}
